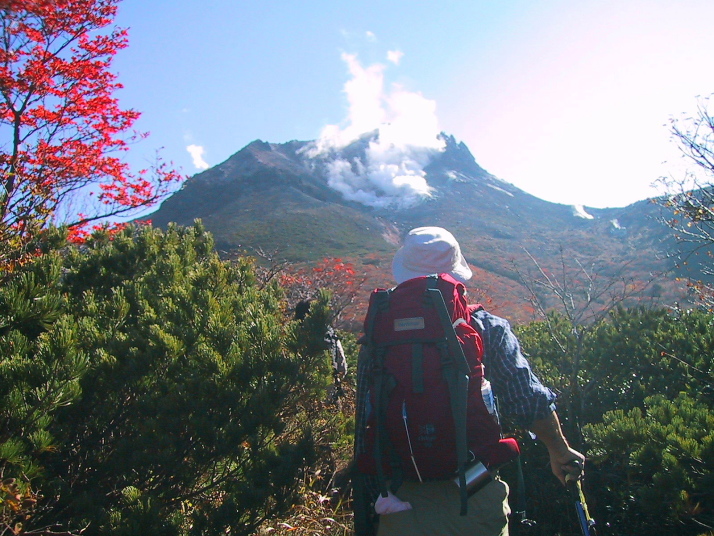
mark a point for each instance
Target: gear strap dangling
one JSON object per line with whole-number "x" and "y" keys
{"x": 456, "y": 370}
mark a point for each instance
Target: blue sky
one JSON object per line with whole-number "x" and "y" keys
{"x": 567, "y": 100}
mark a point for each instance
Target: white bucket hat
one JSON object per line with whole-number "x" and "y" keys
{"x": 430, "y": 250}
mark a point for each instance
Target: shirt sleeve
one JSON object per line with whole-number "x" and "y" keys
{"x": 520, "y": 394}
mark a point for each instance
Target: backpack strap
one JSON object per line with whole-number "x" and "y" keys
{"x": 456, "y": 370}
{"x": 364, "y": 515}
{"x": 418, "y": 368}
{"x": 455, "y": 350}
{"x": 383, "y": 385}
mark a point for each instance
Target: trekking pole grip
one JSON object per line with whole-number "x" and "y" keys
{"x": 586, "y": 523}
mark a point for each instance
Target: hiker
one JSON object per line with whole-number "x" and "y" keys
{"x": 334, "y": 347}
{"x": 432, "y": 507}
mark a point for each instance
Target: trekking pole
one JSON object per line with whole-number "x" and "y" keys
{"x": 587, "y": 524}
{"x": 524, "y": 523}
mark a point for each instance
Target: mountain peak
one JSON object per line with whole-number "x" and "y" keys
{"x": 457, "y": 156}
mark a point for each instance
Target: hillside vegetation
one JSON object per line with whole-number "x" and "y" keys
{"x": 147, "y": 387}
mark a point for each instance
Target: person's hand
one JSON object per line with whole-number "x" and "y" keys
{"x": 567, "y": 464}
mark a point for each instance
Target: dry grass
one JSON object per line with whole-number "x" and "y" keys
{"x": 326, "y": 493}
{"x": 318, "y": 514}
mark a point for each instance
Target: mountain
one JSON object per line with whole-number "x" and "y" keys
{"x": 306, "y": 204}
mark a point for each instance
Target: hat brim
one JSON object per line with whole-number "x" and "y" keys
{"x": 461, "y": 271}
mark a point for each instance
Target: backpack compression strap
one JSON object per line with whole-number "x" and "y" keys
{"x": 382, "y": 388}
{"x": 456, "y": 373}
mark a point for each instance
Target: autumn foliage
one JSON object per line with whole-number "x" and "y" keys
{"x": 63, "y": 132}
{"x": 333, "y": 274}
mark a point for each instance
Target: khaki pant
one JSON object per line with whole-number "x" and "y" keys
{"x": 436, "y": 507}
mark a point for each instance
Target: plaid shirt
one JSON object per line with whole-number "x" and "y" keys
{"x": 520, "y": 394}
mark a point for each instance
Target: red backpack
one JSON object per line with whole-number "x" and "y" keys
{"x": 427, "y": 417}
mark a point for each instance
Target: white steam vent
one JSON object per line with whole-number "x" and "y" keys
{"x": 391, "y": 174}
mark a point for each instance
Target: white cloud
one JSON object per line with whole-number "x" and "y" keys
{"x": 371, "y": 37}
{"x": 395, "y": 56}
{"x": 392, "y": 173}
{"x": 364, "y": 94}
{"x": 196, "y": 152}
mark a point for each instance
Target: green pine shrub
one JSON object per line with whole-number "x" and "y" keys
{"x": 660, "y": 465}
{"x": 640, "y": 409}
{"x": 147, "y": 387}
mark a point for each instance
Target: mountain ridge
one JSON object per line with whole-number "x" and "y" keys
{"x": 282, "y": 198}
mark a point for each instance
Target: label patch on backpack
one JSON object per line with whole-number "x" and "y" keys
{"x": 408, "y": 324}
